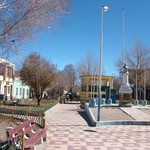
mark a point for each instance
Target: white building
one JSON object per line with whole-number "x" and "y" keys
{"x": 6, "y": 78}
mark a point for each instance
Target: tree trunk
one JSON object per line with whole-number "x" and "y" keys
{"x": 38, "y": 99}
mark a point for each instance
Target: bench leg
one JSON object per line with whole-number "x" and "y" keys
{"x": 41, "y": 140}
{"x": 34, "y": 148}
{"x": 44, "y": 138}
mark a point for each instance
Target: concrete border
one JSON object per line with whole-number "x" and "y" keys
{"x": 115, "y": 122}
{"x": 90, "y": 114}
{"x": 122, "y": 122}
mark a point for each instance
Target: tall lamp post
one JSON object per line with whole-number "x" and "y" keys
{"x": 104, "y": 9}
{"x": 144, "y": 84}
{"x": 136, "y": 96}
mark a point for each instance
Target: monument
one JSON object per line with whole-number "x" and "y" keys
{"x": 125, "y": 91}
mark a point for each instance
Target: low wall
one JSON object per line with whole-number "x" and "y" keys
{"x": 123, "y": 122}
{"x": 89, "y": 114}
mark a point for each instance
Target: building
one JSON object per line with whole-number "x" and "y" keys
{"x": 143, "y": 84}
{"x": 6, "y": 78}
{"x": 90, "y": 86}
{"x": 20, "y": 90}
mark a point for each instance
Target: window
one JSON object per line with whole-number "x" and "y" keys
{"x": 1, "y": 69}
{"x": 9, "y": 71}
{"x": 90, "y": 95}
{"x": 90, "y": 88}
{"x": 83, "y": 88}
{"x": 94, "y": 88}
{"x": 103, "y": 88}
{"x": 27, "y": 92}
{"x": 20, "y": 91}
{"x": 16, "y": 91}
{"x": 8, "y": 89}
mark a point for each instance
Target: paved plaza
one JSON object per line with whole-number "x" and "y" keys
{"x": 69, "y": 129}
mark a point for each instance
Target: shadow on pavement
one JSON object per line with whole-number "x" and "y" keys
{"x": 85, "y": 117}
{"x": 90, "y": 130}
{"x": 72, "y": 103}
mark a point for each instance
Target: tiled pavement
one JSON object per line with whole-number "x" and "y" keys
{"x": 68, "y": 130}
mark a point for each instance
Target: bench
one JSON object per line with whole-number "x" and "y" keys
{"x": 26, "y": 135}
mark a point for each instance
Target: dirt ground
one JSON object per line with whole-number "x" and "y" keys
{"x": 111, "y": 113}
{"x": 6, "y": 121}
{"x": 115, "y": 113}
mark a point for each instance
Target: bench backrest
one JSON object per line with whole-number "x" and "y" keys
{"x": 18, "y": 129}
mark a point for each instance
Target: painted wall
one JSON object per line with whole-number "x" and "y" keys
{"x": 20, "y": 90}
{"x": 90, "y": 86}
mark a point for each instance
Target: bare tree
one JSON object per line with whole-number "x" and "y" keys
{"x": 138, "y": 60}
{"x": 88, "y": 66}
{"x": 119, "y": 64}
{"x": 20, "y": 18}
{"x": 38, "y": 73}
{"x": 70, "y": 73}
{"x": 116, "y": 83}
{"x": 59, "y": 84}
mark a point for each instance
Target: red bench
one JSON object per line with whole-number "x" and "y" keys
{"x": 26, "y": 135}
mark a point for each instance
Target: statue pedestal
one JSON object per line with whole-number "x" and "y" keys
{"x": 125, "y": 96}
{"x": 125, "y": 99}
{"x": 125, "y": 91}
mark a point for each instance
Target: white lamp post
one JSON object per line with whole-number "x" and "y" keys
{"x": 104, "y": 9}
{"x": 144, "y": 101}
{"x": 144, "y": 84}
{"x": 136, "y": 96}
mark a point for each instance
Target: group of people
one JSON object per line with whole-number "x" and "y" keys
{"x": 70, "y": 97}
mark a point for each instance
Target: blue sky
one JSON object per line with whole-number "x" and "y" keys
{"x": 78, "y": 32}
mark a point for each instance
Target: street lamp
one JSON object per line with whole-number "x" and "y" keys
{"x": 104, "y": 9}
{"x": 144, "y": 84}
{"x": 136, "y": 96}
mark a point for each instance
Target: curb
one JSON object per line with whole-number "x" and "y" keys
{"x": 122, "y": 122}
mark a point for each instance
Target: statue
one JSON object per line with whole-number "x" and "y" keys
{"x": 125, "y": 68}
{"x": 125, "y": 91}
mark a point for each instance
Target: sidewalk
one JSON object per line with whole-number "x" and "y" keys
{"x": 136, "y": 114}
{"x": 68, "y": 129}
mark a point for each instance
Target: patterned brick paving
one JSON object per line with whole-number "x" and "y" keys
{"x": 68, "y": 130}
